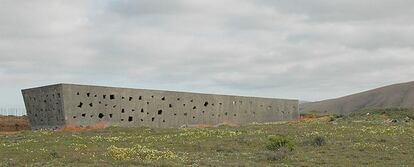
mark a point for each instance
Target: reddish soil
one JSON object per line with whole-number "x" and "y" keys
{"x": 13, "y": 123}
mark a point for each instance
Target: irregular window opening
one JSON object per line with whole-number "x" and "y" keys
{"x": 103, "y": 96}
{"x": 74, "y": 117}
{"x": 159, "y": 112}
{"x": 110, "y": 115}
{"x": 88, "y": 94}
{"x": 111, "y": 97}
{"x": 90, "y": 104}
{"x": 96, "y": 95}
{"x": 170, "y": 105}
{"x": 212, "y": 104}
{"x": 163, "y": 98}
{"x": 58, "y": 95}
{"x": 77, "y": 93}
{"x": 184, "y": 105}
{"x": 142, "y": 110}
{"x": 123, "y": 97}
{"x": 205, "y": 104}
{"x": 91, "y": 116}
{"x": 106, "y": 104}
{"x": 191, "y": 100}
{"x": 185, "y": 114}
{"x": 130, "y": 119}
{"x": 80, "y": 105}
{"x": 44, "y": 101}
{"x": 142, "y": 120}
{"x": 220, "y": 103}
{"x": 114, "y": 106}
{"x": 100, "y": 102}
{"x": 140, "y": 98}
{"x": 147, "y": 102}
{"x": 152, "y": 96}
{"x": 101, "y": 115}
{"x": 122, "y": 119}
{"x": 130, "y": 98}
{"x": 193, "y": 117}
{"x": 83, "y": 115}
{"x": 225, "y": 113}
{"x": 235, "y": 115}
{"x": 147, "y": 113}
{"x": 178, "y": 99}
{"x": 152, "y": 119}
{"x": 123, "y": 111}
{"x": 194, "y": 107}
{"x": 163, "y": 120}
{"x": 175, "y": 114}
{"x": 133, "y": 110}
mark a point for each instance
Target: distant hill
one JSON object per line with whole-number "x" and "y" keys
{"x": 398, "y": 95}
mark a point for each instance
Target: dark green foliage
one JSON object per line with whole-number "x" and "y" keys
{"x": 278, "y": 142}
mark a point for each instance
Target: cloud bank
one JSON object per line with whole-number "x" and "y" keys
{"x": 308, "y": 50}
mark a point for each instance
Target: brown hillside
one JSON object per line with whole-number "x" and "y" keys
{"x": 398, "y": 95}
{"x": 13, "y": 123}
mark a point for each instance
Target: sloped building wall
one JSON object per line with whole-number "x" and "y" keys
{"x": 90, "y": 105}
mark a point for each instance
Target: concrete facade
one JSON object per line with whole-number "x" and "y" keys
{"x": 55, "y": 106}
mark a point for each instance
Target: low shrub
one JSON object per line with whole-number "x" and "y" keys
{"x": 319, "y": 141}
{"x": 279, "y": 142}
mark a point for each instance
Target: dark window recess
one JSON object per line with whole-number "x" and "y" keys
{"x": 175, "y": 113}
{"x": 163, "y": 98}
{"x": 185, "y": 114}
{"x": 96, "y": 95}
{"x": 110, "y": 115}
{"x": 80, "y": 105}
{"x": 100, "y": 102}
{"x": 142, "y": 120}
{"x": 184, "y": 105}
{"x": 130, "y": 98}
{"x": 147, "y": 113}
{"x": 163, "y": 120}
{"x": 114, "y": 106}
{"x": 220, "y": 103}
{"x": 103, "y": 96}
{"x": 111, "y": 97}
{"x": 178, "y": 99}
{"x": 212, "y": 104}
{"x": 147, "y": 102}
{"x": 74, "y": 117}
{"x": 152, "y": 119}
{"x": 225, "y": 113}
{"x": 90, "y": 104}
{"x": 194, "y": 107}
{"x": 91, "y": 116}
{"x": 130, "y": 119}
{"x": 140, "y": 98}
{"x": 235, "y": 115}
{"x": 193, "y": 117}
{"x": 122, "y": 119}
{"x": 191, "y": 100}
{"x": 170, "y": 105}
{"x": 44, "y": 101}
{"x": 88, "y": 94}
{"x": 152, "y": 96}
{"x": 203, "y": 112}
{"x": 58, "y": 95}
{"x": 101, "y": 115}
{"x": 123, "y": 97}
{"x": 77, "y": 93}
{"x": 205, "y": 104}
{"x": 142, "y": 110}
{"x": 159, "y": 112}
{"x": 83, "y": 115}
{"x": 133, "y": 110}
{"x": 123, "y": 111}
{"x": 106, "y": 104}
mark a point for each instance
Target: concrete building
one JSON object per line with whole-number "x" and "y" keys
{"x": 56, "y": 106}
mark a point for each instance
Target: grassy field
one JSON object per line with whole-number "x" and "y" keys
{"x": 370, "y": 138}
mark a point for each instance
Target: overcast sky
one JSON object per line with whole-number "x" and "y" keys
{"x": 302, "y": 49}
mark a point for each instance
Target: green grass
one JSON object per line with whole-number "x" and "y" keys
{"x": 355, "y": 140}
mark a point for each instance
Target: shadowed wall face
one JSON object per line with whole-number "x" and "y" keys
{"x": 91, "y": 105}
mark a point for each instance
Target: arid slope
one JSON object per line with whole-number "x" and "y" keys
{"x": 398, "y": 95}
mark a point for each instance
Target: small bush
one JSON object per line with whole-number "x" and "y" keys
{"x": 319, "y": 141}
{"x": 279, "y": 142}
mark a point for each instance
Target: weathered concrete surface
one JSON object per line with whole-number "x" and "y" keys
{"x": 66, "y": 104}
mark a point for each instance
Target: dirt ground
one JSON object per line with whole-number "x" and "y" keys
{"x": 13, "y": 123}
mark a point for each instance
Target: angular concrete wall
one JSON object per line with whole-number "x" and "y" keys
{"x": 80, "y": 105}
